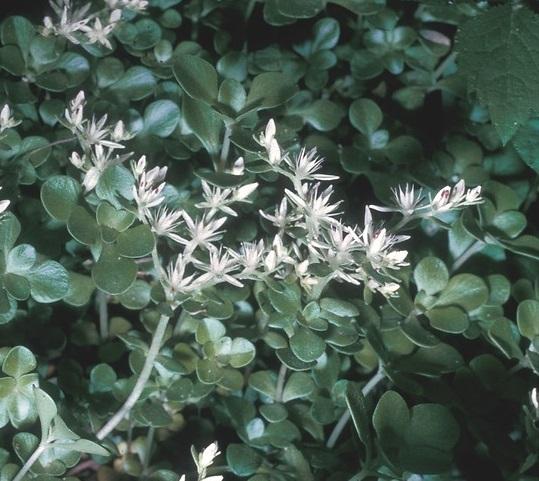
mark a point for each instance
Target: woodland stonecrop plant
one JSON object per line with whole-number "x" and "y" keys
{"x": 251, "y": 223}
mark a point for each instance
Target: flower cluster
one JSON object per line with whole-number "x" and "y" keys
{"x": 309, "y": 231}
{"x": 412, "y": 203}
{"x": 97, "y": 139}
{"x": 78, "y": 25}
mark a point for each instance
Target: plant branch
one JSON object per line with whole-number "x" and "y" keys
{"x": 224, "y": 149}
{"x": 280, "y": 383}
{"x": 144, "y": 375}
{"x": 443, "y": 65}
{"x": 30, "y": 461}
{"x": 343, "y": 421}
{"x": 101, "y": 301}
{"x": 476, "y": 247}
{"x": 148, "y": 449}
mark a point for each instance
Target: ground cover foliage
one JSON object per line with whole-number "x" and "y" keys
{"x": 188, "y": 290}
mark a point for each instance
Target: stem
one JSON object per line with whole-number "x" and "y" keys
{"x": 441, "y": 68}
{"x": 280, "y": 383}
{"x": 224, "y": 149}
{"x": 343, "y": 421}
{"x": 51, "y": 144}
{"x": 148, "y": 449}
{"x": 476, "y": 247}
{"x": 101, "y": 301}
{"x": 141, "y": 381}
{"x": 30, "y": 461}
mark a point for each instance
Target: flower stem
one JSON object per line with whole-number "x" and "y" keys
{"x": 30, "y": 461}
{"x": 280, "y": 383}
{"x": 343, "y": 421}
{"x": 148, "y": 449}
{"x": 476, "y": 247}
{"x": 101, "y": 301}
{"x": 141, "y": 381}
{"x": 224, "y": 149}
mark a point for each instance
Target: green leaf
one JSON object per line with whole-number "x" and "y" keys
{"x": 504, "y": 334}
{"x": 88, "y": 447}
{"x": 242, "y": 352}
{"x": 268, "y": 90}
{"x": 46, "y": 409}
{"x": 208, "y": 371}
{"x": 18, "y": 361}
{"x": 21, "y": 259}
{"x": 18, "y": 31}
{"x": 323, "y": 115}
{"x": 431, "y": 275}
{"x": 17, "y": 286}
{"x": 113, "y": 273}
{"x": 450, "y": 319}
{"x": 264, "y": 382}
{"x": 497, "y": 54}
{"x": 137, "y": 297}
{"x": 197, "y": 77}
{"x": 464, "y": 290}
{"x": 338, "y": 307}
{"x": 137, "y": 83}
{"x": 82, "y": 226}
{"x": 300, "y": 8}
{"x": 161, "y": 118}
{"x": 80, "y": 289}
{"x": 357, "y": 405}
{"x": 209, "y": 330}
{"x": 116, "y": 219}
{"x": 526, "y": 143}
{"x": 391, "y": 418}
{"x": 528, "y": 318}
{"x": 365, "y": 116}
{"x": 10, "y": 228}
{"x": 135, "y": 242}
{"x": 243, "y": 460}
{"x": 204, "y": 122}
{"x": 306, "y": 345}
{"x": 49, "y": 282}
{"x": 59, "y": 195}
{"x": 299, "y": 385}
{"x": 326, "y": 34}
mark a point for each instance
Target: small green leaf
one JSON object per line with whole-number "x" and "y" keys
{"x": 113, "y": 273}
{"x": 82, "y": 226}
{"x": 21, "y": 259}
{"x": 450, "y": 319}
{"x": 299, "y": 385}
{"x": 161, "y": 118}
{"x": 300, "y": 8}
{"x": 197, "y": 77}
{"x": 464, "y": 290}
{"x": 18, "y": 361}
{"x": 528, "y": 318}
{"x": 431, "y": 275}
{"x": 268, "y": 90}
{"x": 60, "y": 195}
{"x": 365, "y": 116}
{"x": 46, "y": 409}
{"x": 136, "y": 242}
{"x": 306, "y": 345}
{"x": 243, "y": 460}
{"x": 80, "y": 289}
{"x": 49, "y": 282}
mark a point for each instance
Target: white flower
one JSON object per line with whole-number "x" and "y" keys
{"x": 250, "y": 257}
{"x": 274, "y": 153}
{"x": 95, "y": 133}
{"x": 206, "y": 457}
{"x": 535, "y": 398}
{"x": 280, "y": 218}
{"x": 315, "y": 206}
{"x": 378, "y": 243}
{"x": 268, "y": 136}
{"x": 98, "y": 33}
{"x": 239, "y": 167}
{"x": 241, "y": 193}
{"x": 174, "y": 276}
{"x": 77, "y": 160}
{"x": 216, "y": 199}
{"x": 100, "y": 159}
{"x": 119, "y": 133}
{"x": 71, "y": 22}
{"x": 455, "y": 198}
{"x": 4, "y": 204}
{"x": 277, "y": 255}
{"x": 406, "y": 201}
{"x": 221, "y": 264}
{"x": 7, "y": 121}
{"x": 202, "y": 232}
{"x": 165, "y": 222}
{"x": 305, "y": 164}
{"x": 148, "y": 191}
